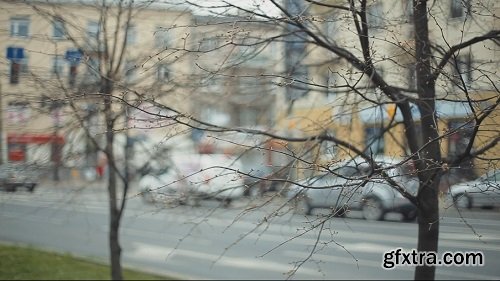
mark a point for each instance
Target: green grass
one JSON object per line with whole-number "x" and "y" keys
{"x": 20, "y": 263}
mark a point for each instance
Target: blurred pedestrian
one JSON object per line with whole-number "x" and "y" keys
{"x": 102, "y": 161}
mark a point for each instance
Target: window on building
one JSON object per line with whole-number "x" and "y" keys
{"x": 57, "y": 65}
{"x": 459, "y": 138}
{"x": 461, "y": 134}
{"x": 295, "y": 89}
{"x": 18, "y": 112}
{"x": 458, "y": 8}
{"x": 463, "y": 70}
{"x": 374, "y": 15}
{"x": 15, "y": 68}
{"x": 412, "y": 76}
{"x": 163, "y": 73}
{"x": 131, "y": 34}
{"x": 328, "y": 149}
{"x": 92, "y": 72}
{"x": 409, "y": 10}
{"x": 419, "y": 139}
{"x": 58, "y": 29}
{"x": 374, "y": 140}
{"x": 331, "y": 81}
{"x": 249, "y": 116}
{"x": 208, "y": 44}
{"x": 331, "y": 27}
{"x": 162, "y": 38}
{"x": 19, "y": 26}
{"x": 23, "y": 64}
{"x": 130, "y": 71}
{"x": 73, "y": 70}
{"x": 92, "y": 30}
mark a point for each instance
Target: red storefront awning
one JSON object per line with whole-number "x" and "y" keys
{"x": 34, "y": 138}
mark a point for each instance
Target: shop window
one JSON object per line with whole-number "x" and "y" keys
{"x": 17, "y": 152}
{"x": 461, "y": 133}
{"x": 458, "y": 140}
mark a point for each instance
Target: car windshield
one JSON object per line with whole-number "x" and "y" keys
{"x": 491, "y": 176}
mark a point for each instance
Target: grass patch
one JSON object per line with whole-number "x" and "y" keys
{"x": 22, "y": 263}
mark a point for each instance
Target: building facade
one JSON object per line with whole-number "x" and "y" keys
{"x": 164, "y": 63}
{"x": 341, "y": 100}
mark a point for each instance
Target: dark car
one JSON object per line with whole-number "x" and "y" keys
{"x": 13, "y": 176}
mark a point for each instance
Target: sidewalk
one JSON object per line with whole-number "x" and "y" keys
{"x": 70, "y": 184}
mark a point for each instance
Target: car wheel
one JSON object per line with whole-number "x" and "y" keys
{"x": 302, "y": 206}
{"x": 462, "y": 201}
{"x": 340, "y": 211}
{"x": 226, "y": 202}
{"x": 410, "y": 216}
{"x": 372, "y": 209}
{"x": 31, "y": 187}
{"x": 10, "y": 188}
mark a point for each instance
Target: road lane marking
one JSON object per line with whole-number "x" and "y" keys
{"x": 32, "y": 218}
{"x": 378, "y": 264}
{"x": 156, "y": 252}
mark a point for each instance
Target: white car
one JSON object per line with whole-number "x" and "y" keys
{"x": 484, "y": 192}
{"x": 194, "y": 177}
{"x": 344, "y": 189}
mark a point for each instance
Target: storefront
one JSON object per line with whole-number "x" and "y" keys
{"x": 34, "y": 147}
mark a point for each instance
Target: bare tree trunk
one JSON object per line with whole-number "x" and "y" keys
{"x": 428, "y": 227}
{"x": 114, "y": 213}
{"x": 429, "y": 167}
{"x": 114, "y": 246}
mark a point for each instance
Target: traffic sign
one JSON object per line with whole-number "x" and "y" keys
{"x": 73, "y": 56}
{"x": 15, "y": 53}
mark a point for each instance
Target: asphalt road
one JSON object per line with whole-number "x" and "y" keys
{"x": 243, "y": 241}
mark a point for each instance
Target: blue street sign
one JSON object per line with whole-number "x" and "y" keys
{"x": 14, "y": 53}
{"x": 73, "y": 56}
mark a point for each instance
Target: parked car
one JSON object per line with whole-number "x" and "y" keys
{"x": 345, "y": 189}
{"x": 192, "y": 178}
{"x": 13, "y": 176}
{"x": 483, "y": 192}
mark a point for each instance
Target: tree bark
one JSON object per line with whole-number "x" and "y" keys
{"x": 430, "y": 164}
{"x": 114, "y": 213}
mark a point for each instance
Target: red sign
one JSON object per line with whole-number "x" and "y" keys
{"x": 34, "y": 139}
